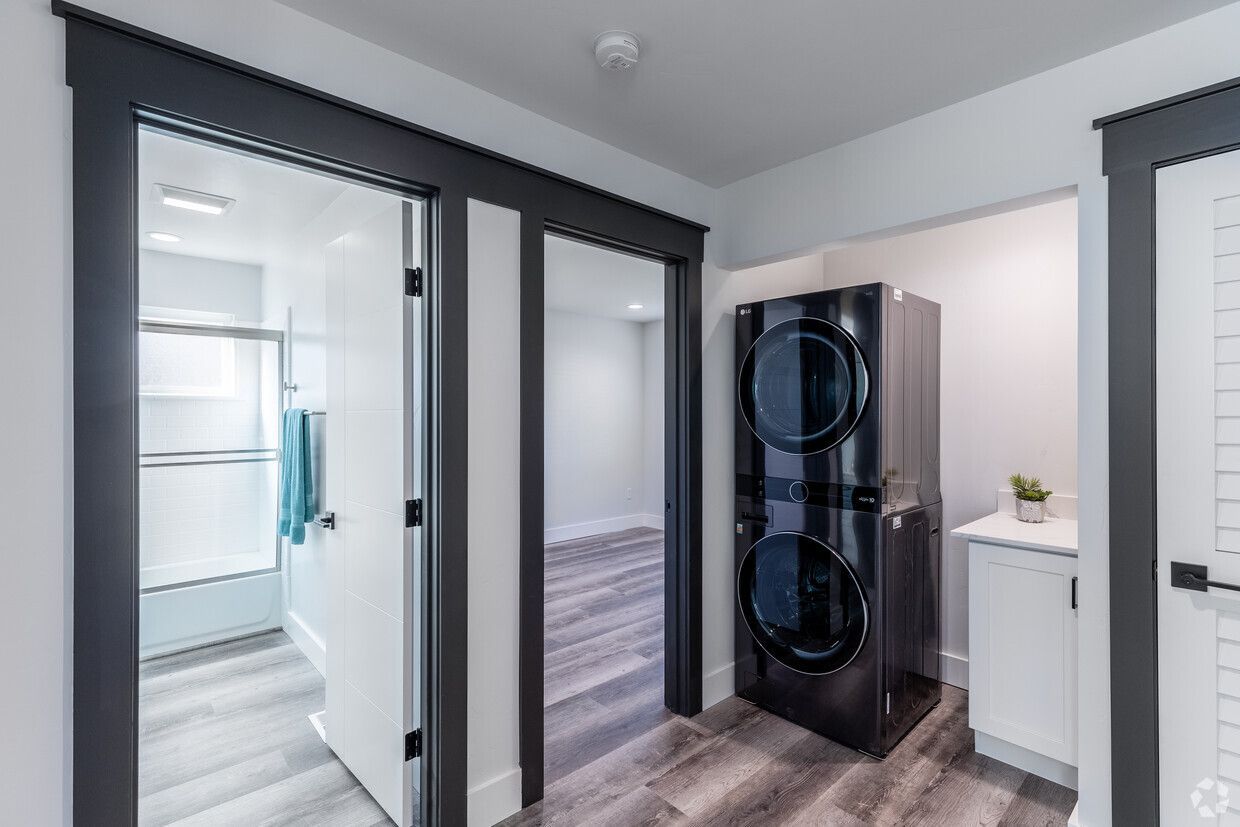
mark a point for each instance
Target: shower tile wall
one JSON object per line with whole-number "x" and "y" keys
{"x": 193, "y": 515}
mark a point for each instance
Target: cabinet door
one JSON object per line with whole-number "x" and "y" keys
{"x": 1022, "y": 648}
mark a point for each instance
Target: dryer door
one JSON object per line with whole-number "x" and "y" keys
{"x": 803, "y": 386}
{"x": 803, "y": 603}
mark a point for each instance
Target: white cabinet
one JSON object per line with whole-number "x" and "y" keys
{"x": 1022, "y": 657}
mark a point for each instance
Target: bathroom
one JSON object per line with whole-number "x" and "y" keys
{"x": 279, "y": 360}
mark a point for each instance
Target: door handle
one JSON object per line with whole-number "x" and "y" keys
{"x": 1196, "y": 579}
{"x": 1074, "y": 592}
{"x": 326, "y": 520}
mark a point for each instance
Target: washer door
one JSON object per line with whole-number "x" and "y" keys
{"x": 803, "y": 603}
{"x": 803, "y": 386}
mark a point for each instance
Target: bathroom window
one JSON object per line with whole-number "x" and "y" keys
{"x": 173, "y": 364}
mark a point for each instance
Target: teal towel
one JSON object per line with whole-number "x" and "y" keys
{"x": 296, "y": 482}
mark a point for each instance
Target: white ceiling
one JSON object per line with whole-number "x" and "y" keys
{"x": 728, "y": 88}
{"x": 579, "y": 278}
{"x": 274, "y": 202}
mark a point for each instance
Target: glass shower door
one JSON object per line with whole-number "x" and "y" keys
{"x": 209, "y": 404}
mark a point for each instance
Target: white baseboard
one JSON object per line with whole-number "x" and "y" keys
{"x": 624, "y": 523}
{"x": 310, "y": 644}
{"x": 954, "y": 670}
{"x": 493, "y": 801}
{"x": 1074, "y": 820}
{"x": 718, "y": 685}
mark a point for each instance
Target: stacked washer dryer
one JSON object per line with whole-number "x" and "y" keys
{"x": 838, "y": 511}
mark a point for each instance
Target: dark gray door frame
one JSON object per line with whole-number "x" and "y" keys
{"x": 1135, "y": 144}
{"x": 682, "y": 469}
{"x": 120, "y": 74}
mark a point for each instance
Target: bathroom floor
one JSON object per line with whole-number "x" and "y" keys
{"x": 616, "y": 756}
{"x": 224, "y": 738}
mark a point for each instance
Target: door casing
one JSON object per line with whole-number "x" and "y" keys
{"x": 682, "y": 470}
{"x": 1135, "y": 143}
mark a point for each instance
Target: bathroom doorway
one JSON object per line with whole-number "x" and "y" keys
{"x": 280, "y": 356}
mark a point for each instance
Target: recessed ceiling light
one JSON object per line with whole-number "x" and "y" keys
{"x": 168, "y": 237}
{"x": 184, "y": 199}
{"x": 636, "y": 306}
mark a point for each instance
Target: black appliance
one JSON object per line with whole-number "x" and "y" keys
{"x": 838, "y": 511}
{"x": 838, "y": 621}
{"x": 840, "y": 386}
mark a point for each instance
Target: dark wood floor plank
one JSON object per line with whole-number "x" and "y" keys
{"x": 880, "y": 792}
{"x": 784, "y": 787}
{"x": 1039, "y": 803}
{"x": 615, "y": 756}
{"x": 695, "y": 785}
{"x": 971, "y": 789}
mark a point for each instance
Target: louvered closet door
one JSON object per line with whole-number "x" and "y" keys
{"x": 1198, "y": 431}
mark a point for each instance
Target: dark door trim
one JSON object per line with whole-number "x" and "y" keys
{"x": 1135, "y": 144}
{"x": 682, "y": 469}
{"x": 118, "y": 73}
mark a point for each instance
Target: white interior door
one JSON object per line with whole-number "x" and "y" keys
{"x": 1198, "y": 433}
{"x": 372, "y": 405}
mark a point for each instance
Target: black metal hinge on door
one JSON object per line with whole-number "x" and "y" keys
{"x": 413, "y": 513}
{"x": 413, "y": 282}
{"x": 413, "y": 745}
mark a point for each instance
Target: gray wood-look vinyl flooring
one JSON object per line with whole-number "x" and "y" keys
{"x": 224, "y": 739}
{"x": 615, "y": 756}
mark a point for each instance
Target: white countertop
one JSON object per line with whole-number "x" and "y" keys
{"x": 1055, "y": 535}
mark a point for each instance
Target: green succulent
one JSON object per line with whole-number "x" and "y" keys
{"x": 1028, "y": 488}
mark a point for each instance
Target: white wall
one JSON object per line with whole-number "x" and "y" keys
{"x": 594, "y": 392}
{"x": 194, "y": 283}
{"x": 654, "y": 422}
{"x": 494, "y": 292}
{"x": 1007, "y": 288}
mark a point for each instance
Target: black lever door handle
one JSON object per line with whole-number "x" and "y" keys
{"x": 327, "y": 521}
{"x": 1196, "y": 579}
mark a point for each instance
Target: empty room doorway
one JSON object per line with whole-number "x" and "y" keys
{"x": 604, "y": 553}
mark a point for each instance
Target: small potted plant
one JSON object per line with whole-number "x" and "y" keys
{"x": 1030, "y": 498}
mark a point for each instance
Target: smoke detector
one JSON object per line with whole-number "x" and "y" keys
{"x": 617, "y": 50}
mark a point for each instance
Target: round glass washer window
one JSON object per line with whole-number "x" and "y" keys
{"x": 802, "y": 603}
{"x": 803, "y": 386}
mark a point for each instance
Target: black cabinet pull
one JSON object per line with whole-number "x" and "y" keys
{"x": 1073, "y": 591}
{"x": 1196, "y": 579}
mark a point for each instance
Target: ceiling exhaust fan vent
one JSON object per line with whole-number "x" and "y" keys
{"x": 617, "y": 50}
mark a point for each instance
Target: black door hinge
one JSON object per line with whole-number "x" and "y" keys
{"x": 413, "y": 513}
{"x": 413, "y": 282}
{"x": 413, "y": 745}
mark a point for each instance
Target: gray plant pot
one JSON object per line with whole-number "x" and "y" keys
{"x": 1030, "y": 511}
